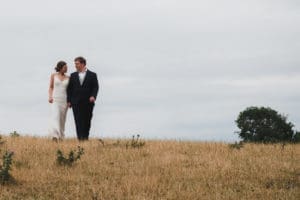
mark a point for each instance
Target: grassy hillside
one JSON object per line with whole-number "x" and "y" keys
{"x": 157, "y": 170}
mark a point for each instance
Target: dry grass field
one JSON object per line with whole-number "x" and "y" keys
{"x": 158, "y": 170}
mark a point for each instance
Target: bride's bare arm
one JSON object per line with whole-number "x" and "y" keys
{"x": 51, "y": 88}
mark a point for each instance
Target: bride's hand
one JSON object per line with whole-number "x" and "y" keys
{"x": 50, "y": 100}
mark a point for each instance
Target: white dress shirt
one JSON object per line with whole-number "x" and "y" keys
{"x": 82, "y": 75}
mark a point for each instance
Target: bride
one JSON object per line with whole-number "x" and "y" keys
{"x": 58, "y": 100}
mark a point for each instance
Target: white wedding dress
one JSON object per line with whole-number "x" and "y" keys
{"x": 59, "y": 108}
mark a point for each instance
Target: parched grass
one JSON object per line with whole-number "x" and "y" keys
{"x": 157, "y": 170}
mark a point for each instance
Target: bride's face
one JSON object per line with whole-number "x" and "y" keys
{"x": 64, "y": 69}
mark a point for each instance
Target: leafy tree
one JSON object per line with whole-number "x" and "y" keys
{"x": 296, "y": 137}
{"x": 263, "y": 124}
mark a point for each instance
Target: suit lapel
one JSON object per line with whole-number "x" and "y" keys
{"x": 77, "y": 78}
{"x": 86, "y": 77}
{"x": 84, "y": 80}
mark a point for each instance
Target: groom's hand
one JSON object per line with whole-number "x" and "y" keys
{"x": 69, "y": 105}
{"x": 92, "y": 99}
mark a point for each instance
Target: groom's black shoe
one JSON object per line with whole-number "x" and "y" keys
{"x": 83, "y": 139}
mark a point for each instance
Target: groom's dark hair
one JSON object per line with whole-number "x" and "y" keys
{"x": 80, "y": 59}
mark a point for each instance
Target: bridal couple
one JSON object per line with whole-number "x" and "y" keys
{"x": 77, "y": 91}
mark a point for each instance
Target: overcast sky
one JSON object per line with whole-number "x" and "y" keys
{"x": 180, "y": 69}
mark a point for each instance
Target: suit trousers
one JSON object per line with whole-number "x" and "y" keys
{"x": 83, "y": 113}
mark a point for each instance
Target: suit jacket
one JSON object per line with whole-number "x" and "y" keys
{"x": 77, "y": 93}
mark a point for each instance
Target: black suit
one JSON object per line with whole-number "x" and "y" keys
{"x": 78, "y": 95}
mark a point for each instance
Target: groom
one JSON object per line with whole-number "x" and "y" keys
{"x": 81, "y": 96}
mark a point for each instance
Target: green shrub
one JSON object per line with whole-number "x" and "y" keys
{"x": 6, "y": 167}
{"x": 135, "y": 142}
{"x": 236, "y": 145}
{"x": 14, "y": 134}
{"x": 73, "y": 156}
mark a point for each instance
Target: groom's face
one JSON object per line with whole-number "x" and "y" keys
{"x": 79, "y": 66}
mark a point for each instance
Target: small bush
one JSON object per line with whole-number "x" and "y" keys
{"x": 6, "y": 167}
{"x": 117, "y": 143}
{"x": 72, "y": 157}
{"x": 101, "y": 141}
{"x": 14, "y": 134}
{"x": 135, "y": 142}
{"x": 236, "y": 145}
